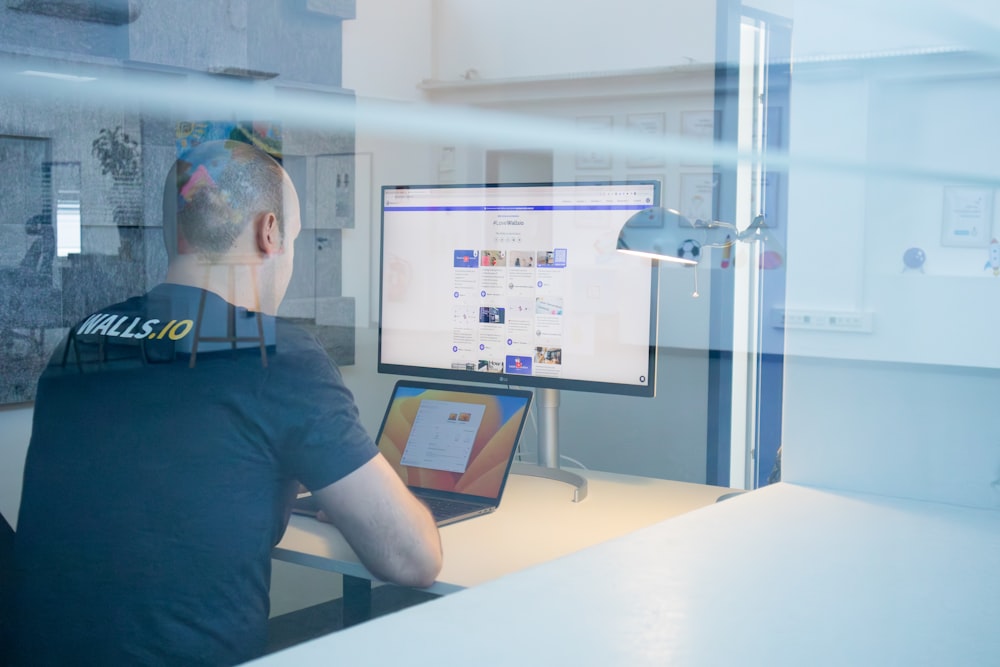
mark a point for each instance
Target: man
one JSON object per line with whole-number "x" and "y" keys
{"x": 170, "y": 432}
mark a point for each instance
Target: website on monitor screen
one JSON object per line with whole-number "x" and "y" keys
{"x": 521, "y": 280}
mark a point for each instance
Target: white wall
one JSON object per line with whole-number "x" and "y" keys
{"x": 388, "y": 49}
{"x": 526, "y": 38}
{"x": 907, "y": 409}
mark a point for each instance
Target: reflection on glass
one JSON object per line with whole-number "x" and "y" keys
{"x": 65, "y": 188}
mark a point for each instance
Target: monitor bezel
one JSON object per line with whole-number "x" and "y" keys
{"x": 516, "y": 380}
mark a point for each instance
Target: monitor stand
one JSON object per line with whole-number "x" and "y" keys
{"x": 547, "y": 401}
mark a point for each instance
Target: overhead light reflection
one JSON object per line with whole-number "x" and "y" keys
{"x": 59, "y": 76}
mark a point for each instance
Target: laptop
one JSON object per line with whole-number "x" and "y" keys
{"x": 452, "y": 445}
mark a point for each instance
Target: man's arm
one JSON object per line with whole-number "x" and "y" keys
{"x": 391, "y": 531}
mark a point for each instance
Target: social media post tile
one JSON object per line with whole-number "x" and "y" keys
{"x": 551, "y": 259}
{"x": 519, "y": 308}
{"x": 463, "y": 340}
{"x": 521, "y": 284}
{"x": 520, "y": 339}
{"x": 549, "y": 355}
{"x": 521, "y": 329}
{"x": 493, "y": 259}
{"x": 465, "y": 284}
{"x": 521, "y": 261}
{"x": 465, "y": 258}
{"x": 492, "y": 315}
{"x": 547, "y": 360}
{"x": 518, "y": 364}
{"x": 493, "y": 346}
{"x": 549, "y": 305}
{"x": 464, "y": 316}
{"x": 550, "y": 282}
{"x": 548, "y": 326}
{"x": 465, "y": 274}
{"x": 492, "y": 282}
{"x": 490, "y": 365}
{"x": 467, "y": 293}
{"x": 493, "y": 277}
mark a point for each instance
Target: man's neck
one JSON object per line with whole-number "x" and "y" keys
{"x": 234, "y": 278}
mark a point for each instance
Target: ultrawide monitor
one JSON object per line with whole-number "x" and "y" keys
{"x": 518, "y": 284}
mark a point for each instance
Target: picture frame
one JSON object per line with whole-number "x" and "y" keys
{"x": 698, "y": 197}
{"x": 598, "y": 127}
{"x": 593, "y": 178}
{"x": 699, "y": 126}
{"x": 967, "y": 216}
{"x": 646, "y": 126}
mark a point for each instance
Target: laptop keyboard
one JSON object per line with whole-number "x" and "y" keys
{"x": 445, "y": 509}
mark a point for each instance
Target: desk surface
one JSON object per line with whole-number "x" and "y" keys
{"x": 786, "y": 575}
{"x": 537, "y": 522}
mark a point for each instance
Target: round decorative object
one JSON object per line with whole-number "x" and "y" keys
{"x": 771, "y": 259}
{"x": 689, "y": 249}
{"x": 914, "y": 258}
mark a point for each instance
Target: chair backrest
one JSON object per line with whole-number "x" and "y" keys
{"x": 6, "y": 585}
{"x": 6, "y": 548}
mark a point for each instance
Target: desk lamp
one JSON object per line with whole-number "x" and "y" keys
{"x": 666, "y": 235}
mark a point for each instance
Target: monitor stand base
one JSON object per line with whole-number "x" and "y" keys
{"x": 578, "y": 483}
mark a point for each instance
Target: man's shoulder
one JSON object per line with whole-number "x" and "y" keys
{"x": 298, "y": 345}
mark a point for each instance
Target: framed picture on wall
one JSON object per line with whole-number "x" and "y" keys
{"x": 593, "y": 178}
{"x": 967, "y": 219}
{"x": 645, "y": 129}
{"x": 699, "y": 197}
{"x": 699, "y": 126}
{"x": 594, "y": 154}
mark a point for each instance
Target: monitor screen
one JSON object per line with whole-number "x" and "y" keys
{"x": 519, "y": 284}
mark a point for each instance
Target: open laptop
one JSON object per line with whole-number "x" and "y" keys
{"x": 452, "y": 445}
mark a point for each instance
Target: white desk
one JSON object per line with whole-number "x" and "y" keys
{"x": 786, "y": 575}
{"x": 537, "y": 522}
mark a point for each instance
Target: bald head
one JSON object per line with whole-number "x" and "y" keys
{"x": 230, "y": 220}
{"x": 214, "y": 191}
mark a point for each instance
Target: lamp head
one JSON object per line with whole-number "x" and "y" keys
{"x": 666, "y": 235}
{"x": 657, "y": 233}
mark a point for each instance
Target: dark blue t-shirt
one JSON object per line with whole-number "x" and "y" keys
{"x": 155, "y": 487}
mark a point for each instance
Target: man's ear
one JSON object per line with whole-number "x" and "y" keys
{"x": 269, "y": 238}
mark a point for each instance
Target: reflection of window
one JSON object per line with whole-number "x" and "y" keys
{"x": 113, "y": 12}
{"x": 64, "y": 192}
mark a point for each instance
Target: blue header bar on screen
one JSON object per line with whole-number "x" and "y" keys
{"x": 591, "y": 207}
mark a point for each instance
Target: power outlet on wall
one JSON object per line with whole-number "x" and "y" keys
{"x": 823, "y": 320}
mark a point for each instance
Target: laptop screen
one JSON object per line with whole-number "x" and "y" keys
{"x": 451, "y": 437}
